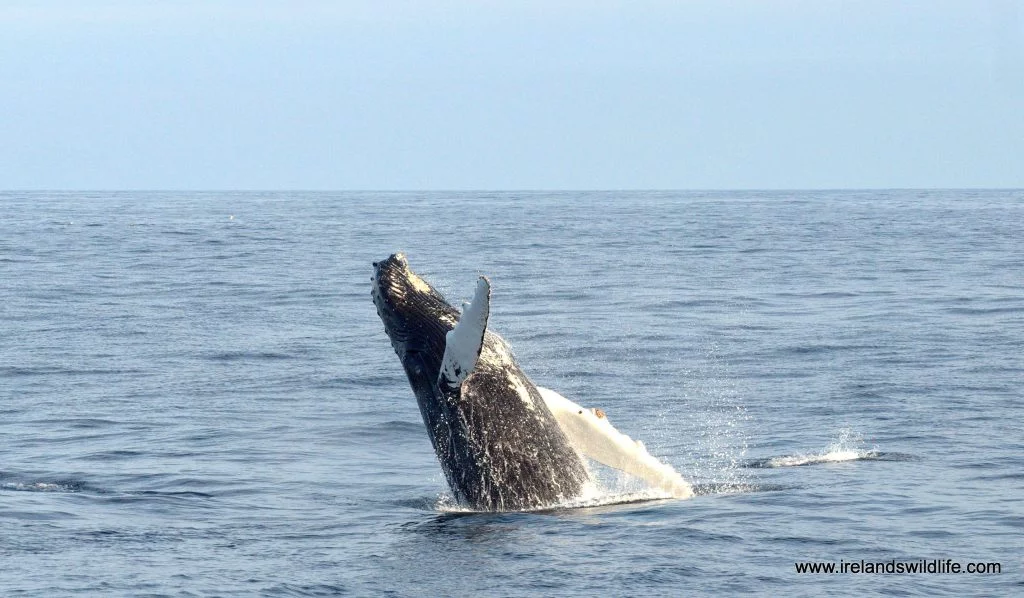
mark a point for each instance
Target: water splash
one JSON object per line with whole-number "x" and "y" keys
{"x": 848, "y": 446}
{"x": 592, "y": 496}
{"x": 736, "y": 488}
{"x": 718, "y": 423}
{"x": 41, "y": 486}
{"x": 607, "y": 486}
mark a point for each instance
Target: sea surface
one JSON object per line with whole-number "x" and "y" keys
{"x": 198, "y": 399}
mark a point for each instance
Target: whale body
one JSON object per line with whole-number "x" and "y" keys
{"x": 503, "y": 443}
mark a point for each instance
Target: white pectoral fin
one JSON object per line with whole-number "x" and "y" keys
{"x": 593, "y": 435}
{"x": 464, "y": 342}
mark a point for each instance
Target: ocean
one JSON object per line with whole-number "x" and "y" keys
{"x": 197, "y": 397}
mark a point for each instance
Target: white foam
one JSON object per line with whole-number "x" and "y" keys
{"x": 601, "y": 500}
{"x": 797, "y": 460}
{"x": 592, "y": 496}
{"x": 842, "y": 449}
{"x": 36, "y": 487}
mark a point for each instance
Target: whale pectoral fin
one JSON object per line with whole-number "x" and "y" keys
{"x": 464, "y": 342}
{"x": 591, "y": 434}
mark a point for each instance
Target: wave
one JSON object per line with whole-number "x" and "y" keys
{"x": 845, "y": 448}
{"x": 712, "y": 488}
{"x": 42, "y": 486}
{"x": 837, "y": 456}
{"x": 447, "y": 504}
{"x": 249, "y": 356}
{"x": 78, "y": 486}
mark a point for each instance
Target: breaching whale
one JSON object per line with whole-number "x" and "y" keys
{"x": 503, "y": 443}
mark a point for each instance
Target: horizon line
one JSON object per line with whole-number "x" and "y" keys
{"x": 493, "y": 190}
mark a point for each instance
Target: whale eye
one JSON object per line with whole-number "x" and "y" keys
{"x": 581, "y": 412}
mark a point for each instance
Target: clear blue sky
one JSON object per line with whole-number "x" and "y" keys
{"x": 510, "y": 94}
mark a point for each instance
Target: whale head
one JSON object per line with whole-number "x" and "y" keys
{"x": 416, "y": 317}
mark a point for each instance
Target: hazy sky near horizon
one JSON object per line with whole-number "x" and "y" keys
{"x": 431, "y": 94}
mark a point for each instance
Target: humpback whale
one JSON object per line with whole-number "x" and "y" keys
{"x": 503, "y": 443}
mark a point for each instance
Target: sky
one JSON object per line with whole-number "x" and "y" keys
{"x": 432, "y": 94}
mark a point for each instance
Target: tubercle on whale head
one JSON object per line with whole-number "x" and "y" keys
{"x": 395, "y": 285}
{"x": 416, "y": 317}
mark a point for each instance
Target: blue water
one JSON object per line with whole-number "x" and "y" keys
{"x": 197, "y": 397}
